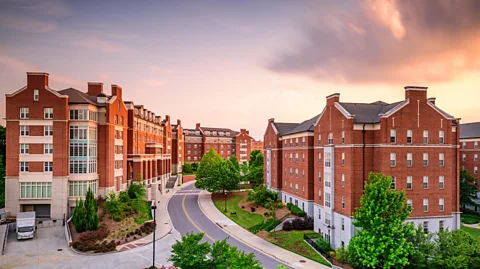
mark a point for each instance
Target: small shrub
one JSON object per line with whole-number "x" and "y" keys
{"x": 287, "y": 226}
{"x": 302, "y": 223}
{"x": 137, "y": 191}
{"x": 256, "y": 228}
{"x": 297, "y": 211}
{"x": 266, "y": 214}
{"x": 289, "y": 206}
{"x": 271, "y": 224}
{"x": 243, "y": 207}
{"x": 323, "y": 245}
{"x": 252, "y": 209}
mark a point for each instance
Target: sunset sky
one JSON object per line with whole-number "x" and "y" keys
{"x": 238, "y": 63}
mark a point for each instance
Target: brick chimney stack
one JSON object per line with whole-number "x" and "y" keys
{"x": 333, "y": 98}
{"x": 432, "y": 100}
{"x": 416, "y": 93}
{"x": 116, "y": 90}
{"x": 198, "y": 126}
{"x": 37, "y": 80}
{"x": 95, "y": 88}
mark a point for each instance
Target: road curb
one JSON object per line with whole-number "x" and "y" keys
{"x": 238, "y": 238}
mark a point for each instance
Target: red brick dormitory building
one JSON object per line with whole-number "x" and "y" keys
{"x": 321, "y": 164}
{"x": 470, "y": 152}
{"x": 62, "y": 142}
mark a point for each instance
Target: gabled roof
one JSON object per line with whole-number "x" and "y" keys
{"x": 78, "y": 97}
{"x": 284, "y": 127}
{"x": 470, "y": 130}
{"x": 368, "y": 113}
{"x": 306, "y": 126}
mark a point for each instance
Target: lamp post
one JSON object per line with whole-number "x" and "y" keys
{"x": 154, "y": 208}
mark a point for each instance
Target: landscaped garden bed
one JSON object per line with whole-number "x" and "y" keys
{"x": 122, "y": 218}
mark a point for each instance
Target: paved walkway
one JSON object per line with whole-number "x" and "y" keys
{"x": 475, "y": 226}
{"x": 164, "y": 224}
{"x": 234, "y": 230}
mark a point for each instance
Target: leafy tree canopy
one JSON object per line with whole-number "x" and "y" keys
{"x": 468, "y": 188}
{"x": 235, "y": 163}
{"x": 382, "y": 241}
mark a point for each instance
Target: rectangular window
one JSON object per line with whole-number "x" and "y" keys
{"x": 441, "y": 204}
{"x": 343, "y": 203}
{"x": 291, "y": 157}
{"x": 319, "y": 157}
{"x": 343, "y": 159}
{"x": 464, "y": 157}
{"x": 425, "y": 159}
{"x": 296, "y": 172}
{"x": 441, "y": 159}
{"x": 343, "y": 180}
{"x": 330, "y": 138}
{"x": 23, "y": 166}
{"x": 425, "y": 136}
{"x": 296, "y": 142}
{"x": 425, "y": 204}
{"x": 425, "y": 182}
{"x": 475, "y": 157}
{"x": 409, "y": 136}
{"x": 393, "y": 136}
{"x": 464, "y": 145}
{"x": 24, "y": 113}
{"x": 394, "y": 183}
{"x": 319, "y": 138}
{"x": 48, "y": 167}
{"x": 291, "y": 186}
{"x": 327, "y": 199}
{"x": 48, "y": 113}
{"x": 320, "y": 210}
{"x": 48, "y": 130}
{"x": 328, "y": 156}
{"x": 409, "y": 159}
{"x": 327, "y": 180}
{"x": 440, "y": 225}
{"x": 409, "y": 202}
{"x": 24, "y": 148}
{"x": 343, "y": 137}
{"x": 441, "y": 137}
{"x": 441, "y": 182}
{"x": 47, "y": 148}
{"x": 296, "y": 157}
{"x": 303, "y": 157}
{"x": 290, "y": 171}
{"x": 80, "y": 188}
{"x": 409, "y": 182}
{"x": 343, "y": 224}
{"x": 475, "y": 170}
{"x": 475, "y": 144}
{"x": 425, "y": 226}
{"x": 319, "y": 195}
{"x": 35, "y": 190}
{"x": 393, "y": 159}
{"x": 36, "y": 95}
{"x": 328, "y": 220}
{"x": 24, "y": 130}
{"x": 303, "y": 141}
{"x": 303, "y": 173}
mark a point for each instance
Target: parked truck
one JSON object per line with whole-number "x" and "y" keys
{"x": 25, "y": 225}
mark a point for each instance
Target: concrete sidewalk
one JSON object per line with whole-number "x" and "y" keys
{"x": 206, "y": 205}
{"x": 164, "y": 224}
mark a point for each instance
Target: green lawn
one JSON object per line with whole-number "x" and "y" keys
{"x": 293, "y": 241}
{"x": 242, "y": 218}
{"x": 470, "y": 218}
{"x": 474, "y": 232}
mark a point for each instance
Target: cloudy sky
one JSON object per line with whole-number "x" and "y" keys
{"x": 238, "y": 63}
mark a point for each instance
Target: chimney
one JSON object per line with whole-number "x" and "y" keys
{"x": 416, "y": 93}
{"x": 116, "y": 90}
{"x": 271, "y": 120}
{"x": 167, "y": 117}
{"x": 243, "y": 130}
{"x": 179, "y": 122}
{"x": 432, "y": 100}
{"x": 332, "y": 99}
{"x": 95, "y": 88}
{"x": 198, "y": 126}
{"x": 37, "y": 80}
{"x": 248, "y": 132}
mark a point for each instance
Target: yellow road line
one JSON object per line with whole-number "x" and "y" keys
{"x": 191, "y": 221}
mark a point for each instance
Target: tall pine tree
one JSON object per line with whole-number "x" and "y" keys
{"x": 79, "y": 217}
{"x": 91, "y": 208}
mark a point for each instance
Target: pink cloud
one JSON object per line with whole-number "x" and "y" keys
{"x": 100, "y": 44}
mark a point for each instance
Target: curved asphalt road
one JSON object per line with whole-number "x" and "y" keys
{"x": 183, "y": 225}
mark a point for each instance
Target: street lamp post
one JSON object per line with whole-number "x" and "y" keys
{"x": 154, "y": 208}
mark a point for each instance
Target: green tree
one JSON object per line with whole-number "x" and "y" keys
{"x": 207, "y": 164}
{"x": 341, "y": 254}
{"x": 226, "y": 178}
{"x": 253, "y": 157}
{"x": 260, "y": 195}
{"x": 225, "y": 256}
{"x": 423, "y": 246}
{"x": 79, "y": 217}
{"x": 255, "y": 168}
{"x": 468, "y": 188}
{"x": 2, "y": 183}
{"x": 137, "y": 191}
{"x": 455, "y": 249}
{"x": 91, "y": 210}
{"x": 235, "y": 162}
{"x": 382, "y": 240}
{"x": 194, "y": 167}
{"x": 187, "y": 168}
{"x": 189, "y": 253}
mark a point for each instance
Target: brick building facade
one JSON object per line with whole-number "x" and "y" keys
{"x": 257, "y": 145}
{"x": 60, "y": 143}
{"x": 470, "y": 152}
{"x": 413, "y": 141}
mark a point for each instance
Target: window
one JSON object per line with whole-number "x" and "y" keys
{"x": 393, "y": 136}
{"x": 76, "y": 114}
{"x": 296, "y": 142}
{"x": 327, "y": 159}
{"x": 80, "y": 188}
{"x": 394, "y": 183}
{"x": 291, "y": 143}
{"x": 303, "y": 157}
{"x": 327, "y": 180}
{"x": 441, "y": 182}
{"x": 441, "y": 204}
{"x": 327, "y": 199}
{"x": 48, "y": 167}
{"x": 115, "y": 120}
{"x": 319, "y": 157}
{"x": 320, "y": 210}
{"x": 319, "y": 176}
{"x": 425, "y": 204}
{"x": 48, "y": 130}
{"x": 475, "y": 157}
{"x": 24, "y": 130}
{"x": 330, "y": 138}
{"x": 291, "y": 186}
{"x": 343, "y": 180}
{"x": 425, "y": 136}
{"x": 24, "y": 148}
{"x": 48, "y": 148}
{"x": 425, "y": 182}
{"x": 24, "y": 113}
{"x": 36, "y": 95}
{"x": 35, "y": 190}
{"x": 296, "y": 172}
{"x": 425, "y": 159}
{"x": 290, "y": 171}
{"x": 475, "y": 144}
{"x": 343, "y": 203}
{"x": 409, "y": 182}
{"x": 440, "y": 225}
{"x": 475, "y": 170}
{"x": 291, "y": 157}
{"x": 441, "y": 137}
{"x": 48, "y": 113}
{"x": 464, "y": 157}
{"x": 464, "y": 144}
{"x": 319, "y": 196}
{"x": 303, "y": 141}
{"x": 441, "y": 159}
{"x": 409, "y": 202}
{"x": 303, "y": 173}
{"x": 343, "y": 159}
{"x": 409, "y": 159}
{"x": 328, "y": 222}
{"x": 393, "y": 159}
{"x": 343, "y": 137}
{"x": 296, "y": 157}
{"x": 409, "y": 136}
{"x": 319, "y": 138}
{"x": 23, "y": 166}
{"x": 425, "y": 226}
